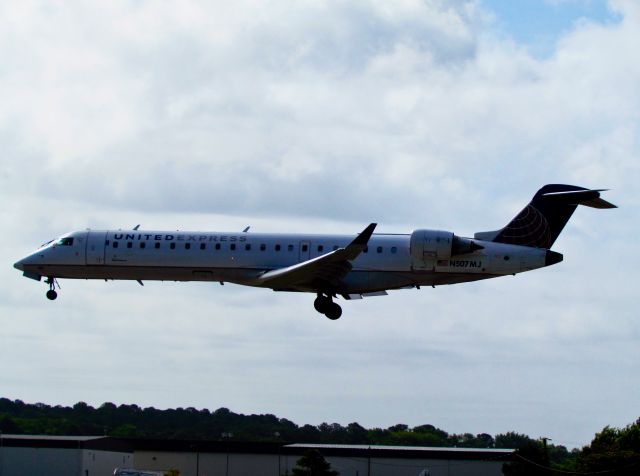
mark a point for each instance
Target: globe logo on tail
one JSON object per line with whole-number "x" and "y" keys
{"x": 528, "y": 228}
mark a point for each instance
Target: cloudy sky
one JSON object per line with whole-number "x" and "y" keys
{"x": 324, "y": 116}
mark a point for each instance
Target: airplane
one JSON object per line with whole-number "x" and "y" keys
{"x": 329, "y": 266}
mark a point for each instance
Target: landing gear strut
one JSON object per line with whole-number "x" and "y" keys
{"x": 51, "y": 293}
{"x": 325, "y": 305}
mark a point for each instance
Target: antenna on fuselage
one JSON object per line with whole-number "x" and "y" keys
{"x": 246, "y": 229}
{"x": 137, "y": 226}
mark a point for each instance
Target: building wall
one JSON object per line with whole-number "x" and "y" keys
{"x": 215, "y": 464}
{"x": 209, "y": 464}
{"x": 60, "y": 462}
{"x": 412, "y": 467}
{"x": 21, "y": 461}
{"x": 40, "y": 462}
{"x": 186, "y": 463}
{"x": 102, "y": 463}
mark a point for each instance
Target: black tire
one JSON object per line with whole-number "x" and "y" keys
{"x": 51, "y": 295}
{"x": 334, "y": 311}
{"x": 321, "y": 304}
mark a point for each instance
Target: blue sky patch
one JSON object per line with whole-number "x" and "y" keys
{"x": 538, "y": 24}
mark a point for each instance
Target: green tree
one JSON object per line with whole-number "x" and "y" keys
{"x": 484, "y": 440}
{"x": 512, "y": 440}
{"x": 398, "y": 428}
{"x": 313, "y": 463}
{"x": 9, "y": 426}
{"x": 432, "y": 430}
{"x": 356, "y": 434}
{"x": 126, "y": 431}
{"x": 613, "y": 449}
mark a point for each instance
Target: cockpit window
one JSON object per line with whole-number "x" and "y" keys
{"x": 65, "y": 242}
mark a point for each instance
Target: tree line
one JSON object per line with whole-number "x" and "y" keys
{"x": 132, "y": 421}
{"x": 610, "y": 448}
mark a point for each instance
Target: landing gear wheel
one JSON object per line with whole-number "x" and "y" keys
{"x": 324, "y": 305}
{"x": 321, "y": 304}
{"x": 51, "y": 293}
{"x": 333, "y": 312}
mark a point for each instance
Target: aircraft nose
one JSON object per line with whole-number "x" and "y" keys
{"x": 19, "y": 265}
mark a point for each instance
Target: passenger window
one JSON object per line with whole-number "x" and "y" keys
{"x": 305, "y": 247}
{"x": 232, "y": 246}
{"x": 289, "y": 247}
{"x": 217, "y": 246}
{"x": 203, "y": 246}
{"x": 379, "y": 249}
{"x": 143, "y": 244}
{"x": 157, "y": 245}
{"x": 320, "y": 248}
{"x": 263, "y": 247}
{"x": 172, "y": 246}
{"x": 187, "y": 246}
{"x": 247, "y": 246}
{"x": 277, "y": 247}
{"x": 115, "y": 244}
{"x": 129, "y": 244}
{"x": 394, "y": 249}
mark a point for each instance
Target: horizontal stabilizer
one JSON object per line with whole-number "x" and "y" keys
{"x": 598, "y": 203}
{"x": 588, "y": 198}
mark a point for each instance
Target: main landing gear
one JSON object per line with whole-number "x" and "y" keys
{"x": 51, "y": 293}
{"x": 325, "y": 305}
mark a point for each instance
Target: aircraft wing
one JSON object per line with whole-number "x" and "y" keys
{"x": 325, "y": 271}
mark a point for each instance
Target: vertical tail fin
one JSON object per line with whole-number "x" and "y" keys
{"x": 539, "y": 224}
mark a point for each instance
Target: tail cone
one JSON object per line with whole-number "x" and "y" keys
{"x": 552, "y": 258}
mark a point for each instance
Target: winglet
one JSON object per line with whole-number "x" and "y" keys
{"x": 329, "y": 268}
{"x": 359, "y": 243}
{"x": 363, "y": 238}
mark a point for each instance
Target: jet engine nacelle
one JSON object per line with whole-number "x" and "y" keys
{"x": 430, "y": 246}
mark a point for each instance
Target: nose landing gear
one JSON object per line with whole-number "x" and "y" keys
{"x": 51, "y": 293}
{"x": 325, "y": 305}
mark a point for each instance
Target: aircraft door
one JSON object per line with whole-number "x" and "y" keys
{"x": 304, "y": 250}
{"x": 95, "y": 247}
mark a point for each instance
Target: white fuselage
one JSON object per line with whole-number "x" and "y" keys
{"x": 351, "y": 266}
{"x": 390, "y": 261}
